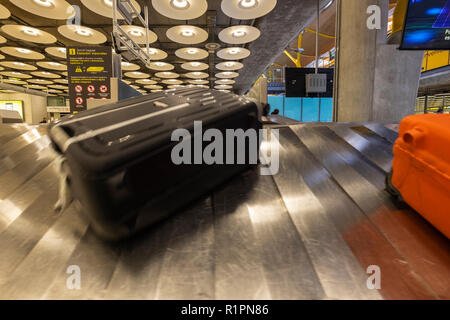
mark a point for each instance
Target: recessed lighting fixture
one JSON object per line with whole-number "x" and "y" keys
{"x": 180, "y": 4}
{"x": 246, "y": 4}
{"x": 233, "y": 51}
{"x": 160, "y": 64}
{"x": 239, "y": 33}
{"x": 22, "y": 50}
{"x": 19, "y": 63}
{"x": 108, "y": 3}
{"x": 229, "y": 64}
{"x": 136, "y": 33}
{"x": 44, "y": 3}
{"x": 31, "y": 32}
{"x": 16, "y": 73}
{"x": 46, "y": 73}
{"x": 192, "y": 51}
{"x": 83, "y": 32}
{"x": 62, "y": 50}
{"x": 152, "y": 51}
{"x": 54, "y": 63}
{"x": 227, "y": 73}
{"x": 187, "y": 33}
{"x": 195, "y": 64}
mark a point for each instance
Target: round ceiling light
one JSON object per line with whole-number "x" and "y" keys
{"x": 229, "y": 66}
{"x": 3, "y": 39}
{"x": 186, "y": 34}
{"x": 16, "y": 74}
{"x": 45, "y": 74}
{"x": 225, "y": 81}
{"x": 227, "y": 91}
{"x": 247, "y": 9}
{"x": 156, "y": 54}
{"x": 194, "y": 66}
{"x": 160, "y": 66}
{"x": 180, "y": 9}
{"x": 128, "y": 66}
{"x": 239, "y": 34}
{"x": 197, "y": 75}
{"x": 136, "y": 75}
{"x": 175, "y": 86}
{"x": 62, "y": 81}
{"x": 138, "y": 34}
{"x": 227, "y": 75}
{"x": 36, "y": 87}
{"x": 105, "y": 7}
{"x": 233, "y": 53}
{"x": 59, "y": 52}
{"x": 146, "y": 81}
{"x": 50, "y": 9}
{"x": 167, "y": 75}
{"x": 18, "y": 65}
{"x": 153, "y": 87}
{"x": 14, "y": 81}
{"x": 198, "y": 81}
{"x": 22, "y": 53}
{"x": 52, "y": 65}
{"x": 82, "y": 34}
{"x": 126, "y": 81}
{"x": 30, "y": 34}
{"x": 40, "y": 81}
{"x": 4, "y": 12}
{"x": 2, "y": 57}
{"x": 172, "y": 81}
{"x": 58, "y": 86}
{"x": 223, "y": 87}
{"x": 191, "y": 53}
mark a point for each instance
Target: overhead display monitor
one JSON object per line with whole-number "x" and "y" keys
{"x": 427, "y": 25}
{"x": 295, "y": 79}
{"x": 12, "y": 106}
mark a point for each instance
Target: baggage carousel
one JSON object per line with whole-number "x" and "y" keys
{"x": 309, "y": 232}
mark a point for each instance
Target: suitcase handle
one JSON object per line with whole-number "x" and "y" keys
{"x": 59, "y": 137}
{"x": 414, "y": 137}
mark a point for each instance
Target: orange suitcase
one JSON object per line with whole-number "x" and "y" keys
{"x": 421, "y": 168}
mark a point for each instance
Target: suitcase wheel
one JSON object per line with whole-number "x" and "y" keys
{"x": 391, "y": 189}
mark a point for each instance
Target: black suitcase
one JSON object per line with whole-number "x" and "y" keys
{"x": 119, "y": 156}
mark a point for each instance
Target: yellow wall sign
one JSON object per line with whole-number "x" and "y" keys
{"x": 12, "y": 106}
{"x": 435, "y": 59}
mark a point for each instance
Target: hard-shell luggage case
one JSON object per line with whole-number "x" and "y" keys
{"x": 119, "y": 156}
{"x": 421, "y": 168}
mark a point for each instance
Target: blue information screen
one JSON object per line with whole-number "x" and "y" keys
{"x": 427, "y": 25}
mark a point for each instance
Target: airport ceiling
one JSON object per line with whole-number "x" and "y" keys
{"x": 278, "y": 28}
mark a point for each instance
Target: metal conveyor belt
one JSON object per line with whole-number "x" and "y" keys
{"x": 310, "y": 232}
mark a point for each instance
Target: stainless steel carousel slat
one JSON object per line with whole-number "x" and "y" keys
{"x": 287, "y": 267}
{"x": 377, "y": 155}
{"x": 383, "y": 131}
{"x": 139, "y": 266}
{"x": 368, "y": 245}
{"x": 411, "y": 236}
{"x": 239, "y": 272}
{"x": 373, "y": 137}
{"x": 339, "y": 272}
{"x": 96, "y": 261}
{"x": 187, "y": 270}
{"x": 25, "y": 231}
{"x": 35, "y": 274}
{"x": 351, "y": 156}
{"x": 10, "y": 132}
{"x": 23, "y": 197}
{"x": 30, "y": 136}
{"x": 14, "y": 178}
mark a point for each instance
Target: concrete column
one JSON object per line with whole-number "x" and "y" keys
{"x": 374, "y": 80}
